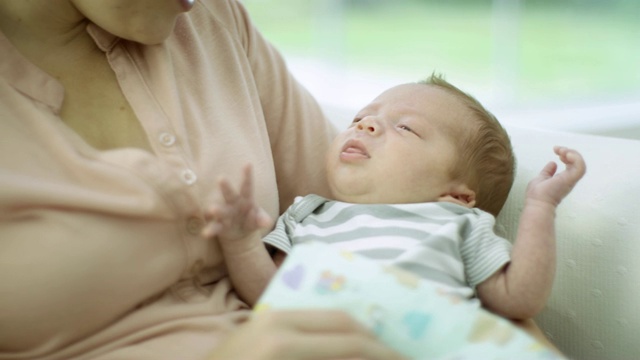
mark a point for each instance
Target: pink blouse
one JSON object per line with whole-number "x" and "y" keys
{"x": 100, "y": 253}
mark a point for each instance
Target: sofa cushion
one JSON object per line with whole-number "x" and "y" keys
{"x": 593, "y": 312}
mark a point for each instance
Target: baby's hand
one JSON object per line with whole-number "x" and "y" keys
{"x": 239, "y": 217}
{"x": 549, "y": 187}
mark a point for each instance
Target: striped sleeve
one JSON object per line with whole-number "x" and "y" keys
{"x": 279, "y": 237}
{"x": 483, "y": 252}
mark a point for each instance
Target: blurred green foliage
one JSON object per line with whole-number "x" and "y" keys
{"x": 563, "y": 48}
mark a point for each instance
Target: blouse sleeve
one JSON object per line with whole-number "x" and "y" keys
{"x": 299, "y": 132}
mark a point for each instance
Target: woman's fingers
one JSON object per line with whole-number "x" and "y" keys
{"x": 319, "y": 335}
{"x": 339, "y": 346}
{"x": 335, "y": 335}
{"x": 318, "y": 321}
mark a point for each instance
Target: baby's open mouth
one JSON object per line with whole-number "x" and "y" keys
{"x": 355, "y": 147}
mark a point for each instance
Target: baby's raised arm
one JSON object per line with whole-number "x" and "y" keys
{"x": 236, "y": 224}
{"x": 520, "y": 290}
{"x": 550, "y": 189}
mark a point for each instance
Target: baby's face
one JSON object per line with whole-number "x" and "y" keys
{"x": 399, "y": 149}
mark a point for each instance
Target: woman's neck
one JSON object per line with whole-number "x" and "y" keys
{"x": 43, "y": 30}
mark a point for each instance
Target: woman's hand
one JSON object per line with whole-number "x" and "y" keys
{"x": 302, "y": 335}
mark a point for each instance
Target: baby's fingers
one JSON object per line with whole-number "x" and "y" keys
{"x": 576, "y": 166}
{"x": 263, "y": 220}
{"x": 211, "y": 229}
{"x": 229, "y": 194}
{"x": 563, "y": 152}
{"x": 216, "y": 217}
{"x": 246, "y": 190}
{"x": 548, "y": 170}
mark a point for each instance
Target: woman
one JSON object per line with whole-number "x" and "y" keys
{"x": 116, "y": 117}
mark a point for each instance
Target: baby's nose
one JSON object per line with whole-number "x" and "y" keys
{"x": 368, "y": 125}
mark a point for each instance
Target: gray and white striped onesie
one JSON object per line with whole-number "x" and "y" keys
{"x": 439, "y": 241}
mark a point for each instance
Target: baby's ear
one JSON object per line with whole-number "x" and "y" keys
{"x": 460, "y": 194}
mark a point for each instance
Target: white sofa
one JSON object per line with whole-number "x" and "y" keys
{"x": 594, "y": 310}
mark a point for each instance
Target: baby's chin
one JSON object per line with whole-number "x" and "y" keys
{"x": 351, "y": 195}
{"x": 369, "y": 197}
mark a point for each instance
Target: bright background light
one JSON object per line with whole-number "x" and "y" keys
{"x": 559, "y": 64}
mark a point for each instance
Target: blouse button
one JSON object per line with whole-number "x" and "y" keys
{"x": 194, "y": 226}
{"x": 167, "y": 139}
{"x": 189, "y": 177}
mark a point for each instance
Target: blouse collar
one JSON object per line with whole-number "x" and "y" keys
{"x": 34, "y": 82}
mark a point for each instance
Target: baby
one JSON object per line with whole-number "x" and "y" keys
{"x": 416, "y": 182}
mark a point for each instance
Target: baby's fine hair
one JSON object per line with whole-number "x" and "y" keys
{"x": 486, "y": 160}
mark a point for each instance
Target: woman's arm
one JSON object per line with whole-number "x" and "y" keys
{"x": 520, "y": 290}
{"x": 299, "y": 132}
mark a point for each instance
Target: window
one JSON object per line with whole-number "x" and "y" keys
{"x": 562, "y": 64}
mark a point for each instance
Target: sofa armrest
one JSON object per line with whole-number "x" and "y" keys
{"x": 593, "y": 310}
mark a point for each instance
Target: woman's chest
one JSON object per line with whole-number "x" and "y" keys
{"x": 96, "y": 109}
